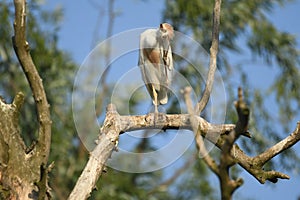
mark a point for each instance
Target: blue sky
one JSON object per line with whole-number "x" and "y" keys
{"x": 76, "y": 36}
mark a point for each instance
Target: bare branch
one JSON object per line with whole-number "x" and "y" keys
{"x": 107, "y": 141}
{"x": 210, "y": 162}
{"x": 255, "y": 165}
{"x": 93, "y": 168}
{"x": 241, "y": 125}
{"x": 213, "y": 58}
{"x": 14, "y": 168}
{"x": 18, "y": 101}
{"x": 278, "y": 148}
{"x": 21, "y": 47}
{"x": 228, "y": 186}
{"x": 115, "y": 124}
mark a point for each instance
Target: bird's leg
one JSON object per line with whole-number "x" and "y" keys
{"x": 155, "y": 100}
{"x": 155, "y": 104}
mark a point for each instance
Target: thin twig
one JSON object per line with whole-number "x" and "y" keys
{"x": 213, "y": 59}
{"x": 209, "y": 161}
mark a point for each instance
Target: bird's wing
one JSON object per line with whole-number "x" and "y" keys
{"x": 150, "y": 66}
{"x": 148, "y": 63}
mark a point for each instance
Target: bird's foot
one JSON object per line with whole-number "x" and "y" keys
{"x": 157, "y": 114}
{"x": 157, "y": 119}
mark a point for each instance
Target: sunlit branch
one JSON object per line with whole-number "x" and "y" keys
{"x": 22, "y": 50}
{"x": 213, "y": 58}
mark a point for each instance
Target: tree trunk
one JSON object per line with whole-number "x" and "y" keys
{"x": 20, "y": 171}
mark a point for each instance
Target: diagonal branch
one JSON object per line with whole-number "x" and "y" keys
{"x": 106, "y": 143}
{"x": 213, "y": 58}
{"x": 255, "y": 165}
{"x": 278, "y": 148}
{"x": 210, "y": 162}
{"x": 22, "y": 50}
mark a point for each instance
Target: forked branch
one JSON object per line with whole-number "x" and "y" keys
{"x": 115, "y": 124}
{"x": 228, "y": 185}
{"x": 22, "y": 50}
{"x": 231, "y": 153}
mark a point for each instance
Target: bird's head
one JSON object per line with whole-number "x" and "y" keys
{"x": 166, "y": 31}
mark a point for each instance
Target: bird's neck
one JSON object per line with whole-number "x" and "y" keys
{"x": 163, "y": 40}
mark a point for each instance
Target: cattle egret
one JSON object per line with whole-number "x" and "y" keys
{"x": 156, "y": 62}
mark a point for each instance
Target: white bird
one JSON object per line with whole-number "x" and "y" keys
{"x": 156, "y": 62}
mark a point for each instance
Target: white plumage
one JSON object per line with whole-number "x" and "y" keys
{"x": 156, "y": 62}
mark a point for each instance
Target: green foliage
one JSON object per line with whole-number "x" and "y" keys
{"x": 121, "y": 185}
{"x": 195, "y": 183}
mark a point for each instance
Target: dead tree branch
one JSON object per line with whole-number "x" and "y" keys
{"x": 254, "y": 165}
{"x": 231, "y": 153}
{"x": 107, "y": 141}
{"x": 228, "y": 185}
{"x": 22, "y": 50}
{"x": 116, "y": 124}
{"x": 278, "y": 148}
{"x": 209, "y": 161}
{"x": 213, "y": 59}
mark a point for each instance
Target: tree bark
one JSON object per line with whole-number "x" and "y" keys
{"x": 20, "y": 170}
